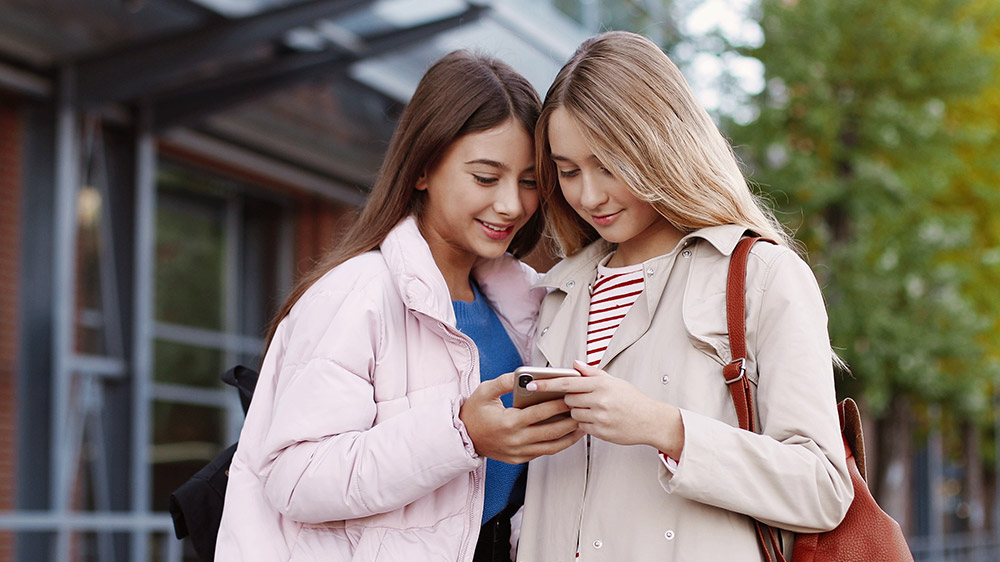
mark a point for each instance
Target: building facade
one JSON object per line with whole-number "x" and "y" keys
{"x": 167, "y": 169}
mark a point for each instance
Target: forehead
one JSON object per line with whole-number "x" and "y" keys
{"x": 508, "y": 143}
{"x": 565, "y": 138}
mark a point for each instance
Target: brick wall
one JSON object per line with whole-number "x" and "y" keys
{"x": 10, "y": 246}
{"x": 320, "y": 224}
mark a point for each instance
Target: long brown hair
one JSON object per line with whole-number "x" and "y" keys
{"x": 636, "y": 111}
{"x": 460, "y": 94}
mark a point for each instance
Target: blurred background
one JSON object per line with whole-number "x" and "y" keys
{"x": 168, "y": 167}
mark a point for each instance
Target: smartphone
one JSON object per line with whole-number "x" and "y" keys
{"x": 523, "y": 375}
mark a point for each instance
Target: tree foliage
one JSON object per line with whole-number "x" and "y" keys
{"x": 860, "y": 144}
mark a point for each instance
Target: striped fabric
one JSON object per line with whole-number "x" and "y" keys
{"x": 613, "y": 293}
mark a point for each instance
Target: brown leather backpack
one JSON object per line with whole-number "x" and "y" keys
{"x": 867, "y": 534}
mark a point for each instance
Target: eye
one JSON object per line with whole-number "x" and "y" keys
{"x": 529, "y": 183}
{"x": 606, "y": 172}
{"x": 568, "y": 173}
{"x": 484, "y": 180}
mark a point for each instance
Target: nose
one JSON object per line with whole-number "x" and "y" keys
{"x": 507, "y": 201}
{"x": 591, "y": 194}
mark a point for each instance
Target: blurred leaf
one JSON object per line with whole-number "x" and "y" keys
{"x": 876, "y": 139}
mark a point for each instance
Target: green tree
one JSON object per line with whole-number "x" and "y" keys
{"x": 978, "y": 194}
{"x": 857, "y": 145}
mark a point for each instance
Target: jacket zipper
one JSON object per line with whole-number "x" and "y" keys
{"x": 476, "y": 483}
{"x": 466, "y": 389}
{"x": 586, "y": 485}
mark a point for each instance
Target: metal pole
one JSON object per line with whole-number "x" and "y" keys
{"x": 232, "y": 300}
{"x": 145, "y": 229}
{"x": 935, "y": 472}
{"x": 63, "y": 302}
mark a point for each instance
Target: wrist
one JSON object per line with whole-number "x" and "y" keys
{"x": 458, "y": 408}
{"x": 668, "y": 436}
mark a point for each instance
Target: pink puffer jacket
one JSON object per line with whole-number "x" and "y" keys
{"x": 353, "y": 448}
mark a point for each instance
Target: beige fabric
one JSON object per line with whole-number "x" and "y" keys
{"x": 622, "y": 504}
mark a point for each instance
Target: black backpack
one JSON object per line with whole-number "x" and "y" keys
{"x": 196, "y": 506}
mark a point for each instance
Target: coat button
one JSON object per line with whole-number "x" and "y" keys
{"x": 598, "y": 543}
{"x": 665, "y": 379}
{"x": 545, "y": 329}
{"x": 570, "y": 284}
{"x": 649, "y": 272}
{"x": 686, "y": 253}
{"x": 669, "y": 535}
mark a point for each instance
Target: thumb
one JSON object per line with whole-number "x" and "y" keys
{"x": 493, "y": 389}
{"x": 586, "y": 370}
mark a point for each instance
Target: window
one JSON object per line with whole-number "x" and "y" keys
{"x": 222, "y": 263}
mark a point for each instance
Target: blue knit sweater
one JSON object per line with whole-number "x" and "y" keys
{"x": 497, "y": 355}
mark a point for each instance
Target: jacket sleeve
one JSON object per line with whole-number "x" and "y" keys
{"x": 324, "y": 457}
{"x": 794, "y": 474}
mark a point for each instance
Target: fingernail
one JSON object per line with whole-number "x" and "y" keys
{"x": 531, "y": 386}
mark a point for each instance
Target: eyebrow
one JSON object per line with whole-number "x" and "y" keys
{"x": 558, "y": 158}
{"x": 491, "y": 163}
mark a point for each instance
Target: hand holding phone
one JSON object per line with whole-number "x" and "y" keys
{"x": 524, "y": 375}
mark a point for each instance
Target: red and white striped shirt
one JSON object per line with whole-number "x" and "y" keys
{"x": 613, "y": 294}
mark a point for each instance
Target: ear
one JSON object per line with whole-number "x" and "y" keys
{"x": 422, "y": 182}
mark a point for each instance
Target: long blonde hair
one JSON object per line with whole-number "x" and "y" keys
{"x": 460, "y": 94}
{"x": 636, "y": 111}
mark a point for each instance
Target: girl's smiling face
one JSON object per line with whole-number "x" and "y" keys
{"x": 604, "y": 200}
{"x": 479, "y": 194}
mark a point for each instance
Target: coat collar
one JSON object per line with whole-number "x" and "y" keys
{"x": 583, "y": 263}
{"x": 574, "y": 275}
{"x": 723, "y": 237}
{"x": 417, "y": 276}
{"x": 506, "y": 282}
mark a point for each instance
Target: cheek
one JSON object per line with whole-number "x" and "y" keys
{"x": 570, "y": 193}
{"x": 529, "y": 202}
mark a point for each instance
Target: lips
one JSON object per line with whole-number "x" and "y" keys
{"x": 605, "y": 220}
{"x": 496, "y": 231}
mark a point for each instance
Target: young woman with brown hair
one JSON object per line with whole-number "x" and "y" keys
{"x": 368, "y": 429}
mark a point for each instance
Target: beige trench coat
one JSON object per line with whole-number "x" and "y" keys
{"x": 620, "y": 503}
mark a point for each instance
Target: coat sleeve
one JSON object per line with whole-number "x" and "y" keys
{"x": 324, "y": 458}
{"x": 794, "y": 474}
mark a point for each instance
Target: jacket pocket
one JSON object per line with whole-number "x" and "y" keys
{"x": 705, "y": 323}
{"x": 323, "y": 542}
{"x": 708, "y": 331}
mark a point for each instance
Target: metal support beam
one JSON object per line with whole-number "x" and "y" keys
{"x": 338, "y": 189}
{"x": 67, "y": 181}
{"x": 142, "y": 325}
{"x": 214, "y": 95}
{"x": 24, "y": 82}
{"x": 135, "y": 70}
{"x": 43, "y": 521}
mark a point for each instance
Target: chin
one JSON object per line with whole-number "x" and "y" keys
{"x": 492, "y": 255}
{"x": 610, "y": 236}
{"x": 493, "y": 252}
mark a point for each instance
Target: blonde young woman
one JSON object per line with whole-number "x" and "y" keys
{"x": 647, "y": 201}
{"x": 369, "y": 429}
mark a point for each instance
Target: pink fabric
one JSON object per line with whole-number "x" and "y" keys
{"x": 353, "y": 448}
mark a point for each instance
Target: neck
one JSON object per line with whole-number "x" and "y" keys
{"x": 659, "y": 239}
{"x": 454, "y": 264}
{"x": 456, "y": 268}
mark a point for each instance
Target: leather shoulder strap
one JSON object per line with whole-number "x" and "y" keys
{"x": 735, "y": 371}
